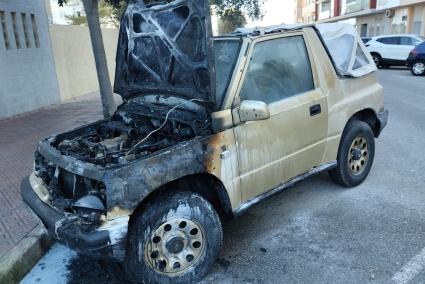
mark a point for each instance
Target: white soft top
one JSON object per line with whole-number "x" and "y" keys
{"x": 348, "y": 53}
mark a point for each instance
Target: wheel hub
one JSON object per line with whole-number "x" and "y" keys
{"x": 419, "y": 68}
{"x": 175, "y": 245}
{"x": 358, "y": 155}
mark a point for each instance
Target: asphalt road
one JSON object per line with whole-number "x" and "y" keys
{"x": 317, "y": 232}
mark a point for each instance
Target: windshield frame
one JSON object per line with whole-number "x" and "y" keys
{"x": 221, "y": 98}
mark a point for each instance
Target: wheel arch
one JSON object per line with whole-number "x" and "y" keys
{"x": 377, "y": 53}
{"x": 369, "y": 116}
{"x": 205, "y": 184}
{"x": 380, "y": 59}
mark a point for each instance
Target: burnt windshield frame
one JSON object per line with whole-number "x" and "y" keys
{"x": 220, "y": 96}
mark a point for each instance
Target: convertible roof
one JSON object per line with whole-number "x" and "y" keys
{"x": 342, "y": 42}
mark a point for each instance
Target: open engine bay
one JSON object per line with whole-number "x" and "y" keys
{"x": 140, "y": 126}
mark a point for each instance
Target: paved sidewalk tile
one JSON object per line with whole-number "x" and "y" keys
{"x": 18, "y": 139}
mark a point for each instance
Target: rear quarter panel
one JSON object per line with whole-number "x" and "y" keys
{"x": 346, "y": 96}
{"x": 353, "y": 95}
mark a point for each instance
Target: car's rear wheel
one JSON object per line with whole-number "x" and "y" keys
{"x": 175, "y": 238}
{"x": 418, "y": 68}
{"x": 355, "y": 155}
{"x": 377, "y": 59}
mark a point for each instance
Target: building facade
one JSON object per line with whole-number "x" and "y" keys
{"x": 27, "y": 73}
{"x": 371, "y": 17}
{"x": 298, "y": 11}
{"x": 308, "y": 11}
{"x": 42, "y": 64}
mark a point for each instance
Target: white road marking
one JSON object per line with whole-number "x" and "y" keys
{"x": 411, "y": 269}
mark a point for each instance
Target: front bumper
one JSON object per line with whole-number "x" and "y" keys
{"x": 409, "y": 62}
{"x": 106, "y": 241}
{"x": 383, "y": 121}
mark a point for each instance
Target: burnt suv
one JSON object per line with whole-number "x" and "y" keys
{"x": 208, "y": 127}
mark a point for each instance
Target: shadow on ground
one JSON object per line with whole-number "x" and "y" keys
{"x": 84, "y": 269}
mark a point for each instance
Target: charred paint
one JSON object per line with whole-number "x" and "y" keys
{"x": 166, "y": 48}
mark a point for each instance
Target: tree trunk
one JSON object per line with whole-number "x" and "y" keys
{"x": 91, "y": 8}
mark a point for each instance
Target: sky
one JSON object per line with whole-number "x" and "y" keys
{"x": 276, "y": 12}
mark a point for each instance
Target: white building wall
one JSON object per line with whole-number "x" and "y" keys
{"x": 74, "y": 61}
{"x": 376, "y": 24}
{"x": 27, "y": 73}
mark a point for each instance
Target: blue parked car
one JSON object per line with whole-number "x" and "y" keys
{"x": 416, "y": 60}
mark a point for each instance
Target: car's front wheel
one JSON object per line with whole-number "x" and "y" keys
{"x": 355, "y": 155}
{"x": 377, "y": 59}
{"x": 174, "y": 238}
{"x": 418, "y": 68}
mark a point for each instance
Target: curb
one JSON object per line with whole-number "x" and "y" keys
{"x": 19, "y": 260}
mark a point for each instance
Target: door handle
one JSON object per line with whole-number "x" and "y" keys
{"x": 315, "y": 110}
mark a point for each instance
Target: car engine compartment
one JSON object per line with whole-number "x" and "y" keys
{"x": 117, "y": 141}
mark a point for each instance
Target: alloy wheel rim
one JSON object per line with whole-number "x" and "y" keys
{"x": 175, "y": 246}
{"x": 418, "y": 68}
{"x": 358, "y": 155}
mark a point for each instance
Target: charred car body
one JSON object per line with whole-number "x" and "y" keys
{"x": 207, "y": 128}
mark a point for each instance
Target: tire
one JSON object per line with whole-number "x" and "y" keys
{"x": 418, "y": 68}
{"x": 355, "y": 154}
{"x": 180, "y": 225}
{"x": 377, "y": 59}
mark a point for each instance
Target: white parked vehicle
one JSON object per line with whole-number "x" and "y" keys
{"x": 392, "y": 50}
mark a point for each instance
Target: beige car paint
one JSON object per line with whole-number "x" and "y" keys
{"x": 286, "y": 145}
{"x": 290, "y": 143}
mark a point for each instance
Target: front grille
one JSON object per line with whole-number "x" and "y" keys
{"x": 64, "y": 184}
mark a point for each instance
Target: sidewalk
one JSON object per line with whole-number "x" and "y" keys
{"x": 18, "y": 139}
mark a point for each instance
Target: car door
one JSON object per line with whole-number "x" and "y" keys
{"x": 292, "y": 141}
{"x": 407, "y": 43}
{"x": 390, "y": 47}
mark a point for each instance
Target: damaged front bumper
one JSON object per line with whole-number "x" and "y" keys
{"x": 107, "y": 240}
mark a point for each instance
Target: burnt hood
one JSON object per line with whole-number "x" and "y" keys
{"x": 166, "y": 49}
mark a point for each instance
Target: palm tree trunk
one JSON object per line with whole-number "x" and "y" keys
{"x": 91, "y": 8}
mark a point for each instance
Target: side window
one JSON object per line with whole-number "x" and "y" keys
{"x": 395, "y": 40}
{"x": 279, "y": 68}
{"x": 390, "y": 40}
{"x": 406, "y": 40}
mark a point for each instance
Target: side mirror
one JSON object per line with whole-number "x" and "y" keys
{"x": 253, "y": 110}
